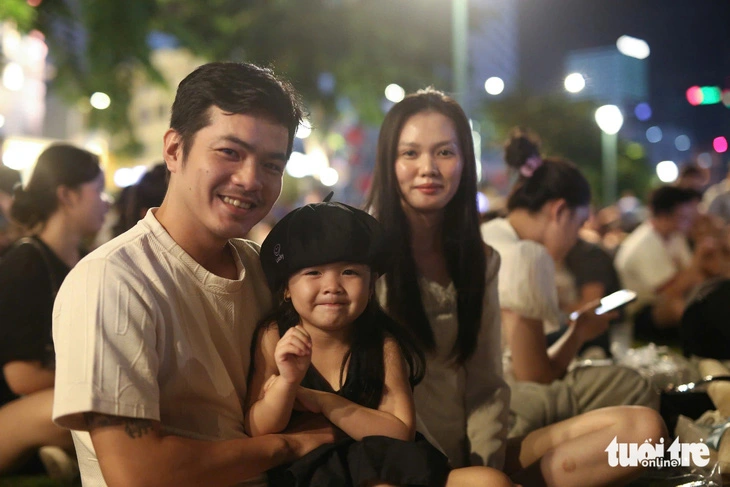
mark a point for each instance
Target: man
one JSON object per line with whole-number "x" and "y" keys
{"x": 717, "y": 199}
{"x": 655, "y": 260}
{"x": 153, "y": 329}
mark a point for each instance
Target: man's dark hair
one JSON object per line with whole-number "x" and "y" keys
{"x": 665, "y": 199}
{"x": 235, "y": 88}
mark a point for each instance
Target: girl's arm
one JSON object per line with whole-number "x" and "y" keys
{"x": 271, "y": 393}
{"x": 395, "y": 416}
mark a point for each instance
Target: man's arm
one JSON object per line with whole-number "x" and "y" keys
{"x": 136, "y": 453}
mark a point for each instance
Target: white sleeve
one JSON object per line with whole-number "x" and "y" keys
{"x": 105, "y": 338}
{"x": 527, "y": 282}
{"x": 487, "y": 394}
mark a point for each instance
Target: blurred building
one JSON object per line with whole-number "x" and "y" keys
{"x": 610, "y": 77}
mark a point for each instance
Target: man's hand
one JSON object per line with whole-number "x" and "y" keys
{"x": 293, "y": 354}
{"x": 309, "y": 431}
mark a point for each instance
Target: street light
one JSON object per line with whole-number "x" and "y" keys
{"x": 609, "y": 120}
{"x": 460, "y": 47}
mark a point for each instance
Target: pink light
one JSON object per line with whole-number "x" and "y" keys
{"x": 694, "y": 95}
{"x": 720, "y": 144}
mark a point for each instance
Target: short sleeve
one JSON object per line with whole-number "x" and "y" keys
{"x": 527, "y": 281}
{"x": 105, "y": 337}
{"x": 25, "y": 307}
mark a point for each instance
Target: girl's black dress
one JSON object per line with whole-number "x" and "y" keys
{"x": 353, "y": 463}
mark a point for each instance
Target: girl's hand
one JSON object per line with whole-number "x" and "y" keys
{"x": 309, "y": 399}
{"x": 293, "y": 354}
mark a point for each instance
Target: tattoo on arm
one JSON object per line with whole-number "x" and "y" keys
{"x": 135, "y": 428}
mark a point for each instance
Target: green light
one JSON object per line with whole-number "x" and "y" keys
{"x": 711, "y": 95}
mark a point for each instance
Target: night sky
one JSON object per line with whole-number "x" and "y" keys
{"x": 689, "y": 41}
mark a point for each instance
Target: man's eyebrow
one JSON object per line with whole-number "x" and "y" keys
{"x": 252, "y": 148}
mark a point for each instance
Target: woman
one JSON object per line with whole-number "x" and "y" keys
{"x": 443, "y": 287}
{"x": 61, "y": 206}
{"x": 547, "y": 207}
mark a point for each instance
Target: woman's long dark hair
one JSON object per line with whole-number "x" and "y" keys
{"x": 58, "y": 165}
{"x": 462, "y": 242}
{"x": 369, "y": 331}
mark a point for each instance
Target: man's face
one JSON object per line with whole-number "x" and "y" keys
{"x": 684, "y": 216}
{"x": 231, "y": 176}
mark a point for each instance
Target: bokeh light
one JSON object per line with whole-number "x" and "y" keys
{"x": 494, "y": 85}
{"x": 394, "y": 93}
{"x": 575, "y": 82}
{"x": 694, "y": 95}
{"x": 633, "y": 47}
{"x": 635, "y": 150}
{"x": 100, "y": 101}
{"x": 682, "y": 143}
{"x": 667, "y": 171}
{"x": 304, "y": 129}
{"x": 329, "y": 176}
{"x": 720, "y": 144}
{"x": 642, "y": 112}
{"x": 654, "y": 134}
{"x": 704, "y": 160}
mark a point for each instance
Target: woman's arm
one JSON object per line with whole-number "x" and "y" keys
{"x": 395, "y": 416}
{"x": 26, "y": 377}
{"x": 487, "y": 395}
{"x": 279, "y": 366}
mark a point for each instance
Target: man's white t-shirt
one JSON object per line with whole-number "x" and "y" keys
{"x": 142, "y": 330}
{"x": 645, "y": 261}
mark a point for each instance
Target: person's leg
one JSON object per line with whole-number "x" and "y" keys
{"x": 599, "y": 387}
{"x": 26, "y": 425}
{"x": 533, "y": 405}
{"x": 572, "y": 452}
{"x": 477, "y": 477}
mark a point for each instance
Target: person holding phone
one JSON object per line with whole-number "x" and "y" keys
{"x": 546, "y": 208}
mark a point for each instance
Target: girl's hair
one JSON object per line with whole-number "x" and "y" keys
{"x": 462, "y": 241}
{"x": 554, "y": 179}
{"x": 58, "y": 165}
{"x": 369, "y": 331}
{"x": 521, "y": 145}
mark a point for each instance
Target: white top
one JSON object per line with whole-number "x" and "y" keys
{"x": 527, "y": 281}
{"x": 464, "y": 409}
{"x": 645, "y": 261}
{"x": 142, "y": 330}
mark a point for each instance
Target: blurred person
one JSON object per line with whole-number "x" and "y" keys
{"x": 546, "y": 209}
{"x": 443, "y": 288}
{"x": 137, "y": 199}
{"x": 61, "y": 205}
{"x": 692, "y": 176}
{"x": 153, "y": 329}
{"x": 9, "y": 231}
{"x": 716, "y": 199}
{"x": 656, "y": 262}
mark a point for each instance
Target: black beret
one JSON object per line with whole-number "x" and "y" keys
{"x": 318, "y": 234}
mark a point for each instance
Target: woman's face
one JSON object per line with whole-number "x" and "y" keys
{"x": 428, "y": 162}
{"x": 88, "y": 206}
{"x": 562, "y": 232}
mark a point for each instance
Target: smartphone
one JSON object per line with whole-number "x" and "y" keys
{"x": 611, "y": 302}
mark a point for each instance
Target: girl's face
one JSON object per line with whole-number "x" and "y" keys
{"x": 428, "y": 163}
{"x": 330, "y": 297}
{"x": 562, "y": 232}
{"x": 88, "y": 206}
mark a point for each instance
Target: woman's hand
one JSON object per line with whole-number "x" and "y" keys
{"x": 293, "y": 354}
{"x": 589, "y": 325}
{"x": 309, "y": 399}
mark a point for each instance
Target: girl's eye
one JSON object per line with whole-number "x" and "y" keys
{"x": 446, "y": 152}
{"x": 350, "y": 272}
{"x": 311, "y": 273}
{"x": 408, "y": 153}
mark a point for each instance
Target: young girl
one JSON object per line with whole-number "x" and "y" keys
{"x": 329, "y": 349}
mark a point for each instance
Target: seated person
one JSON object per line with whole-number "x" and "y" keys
{"x": 657, "y": 263}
